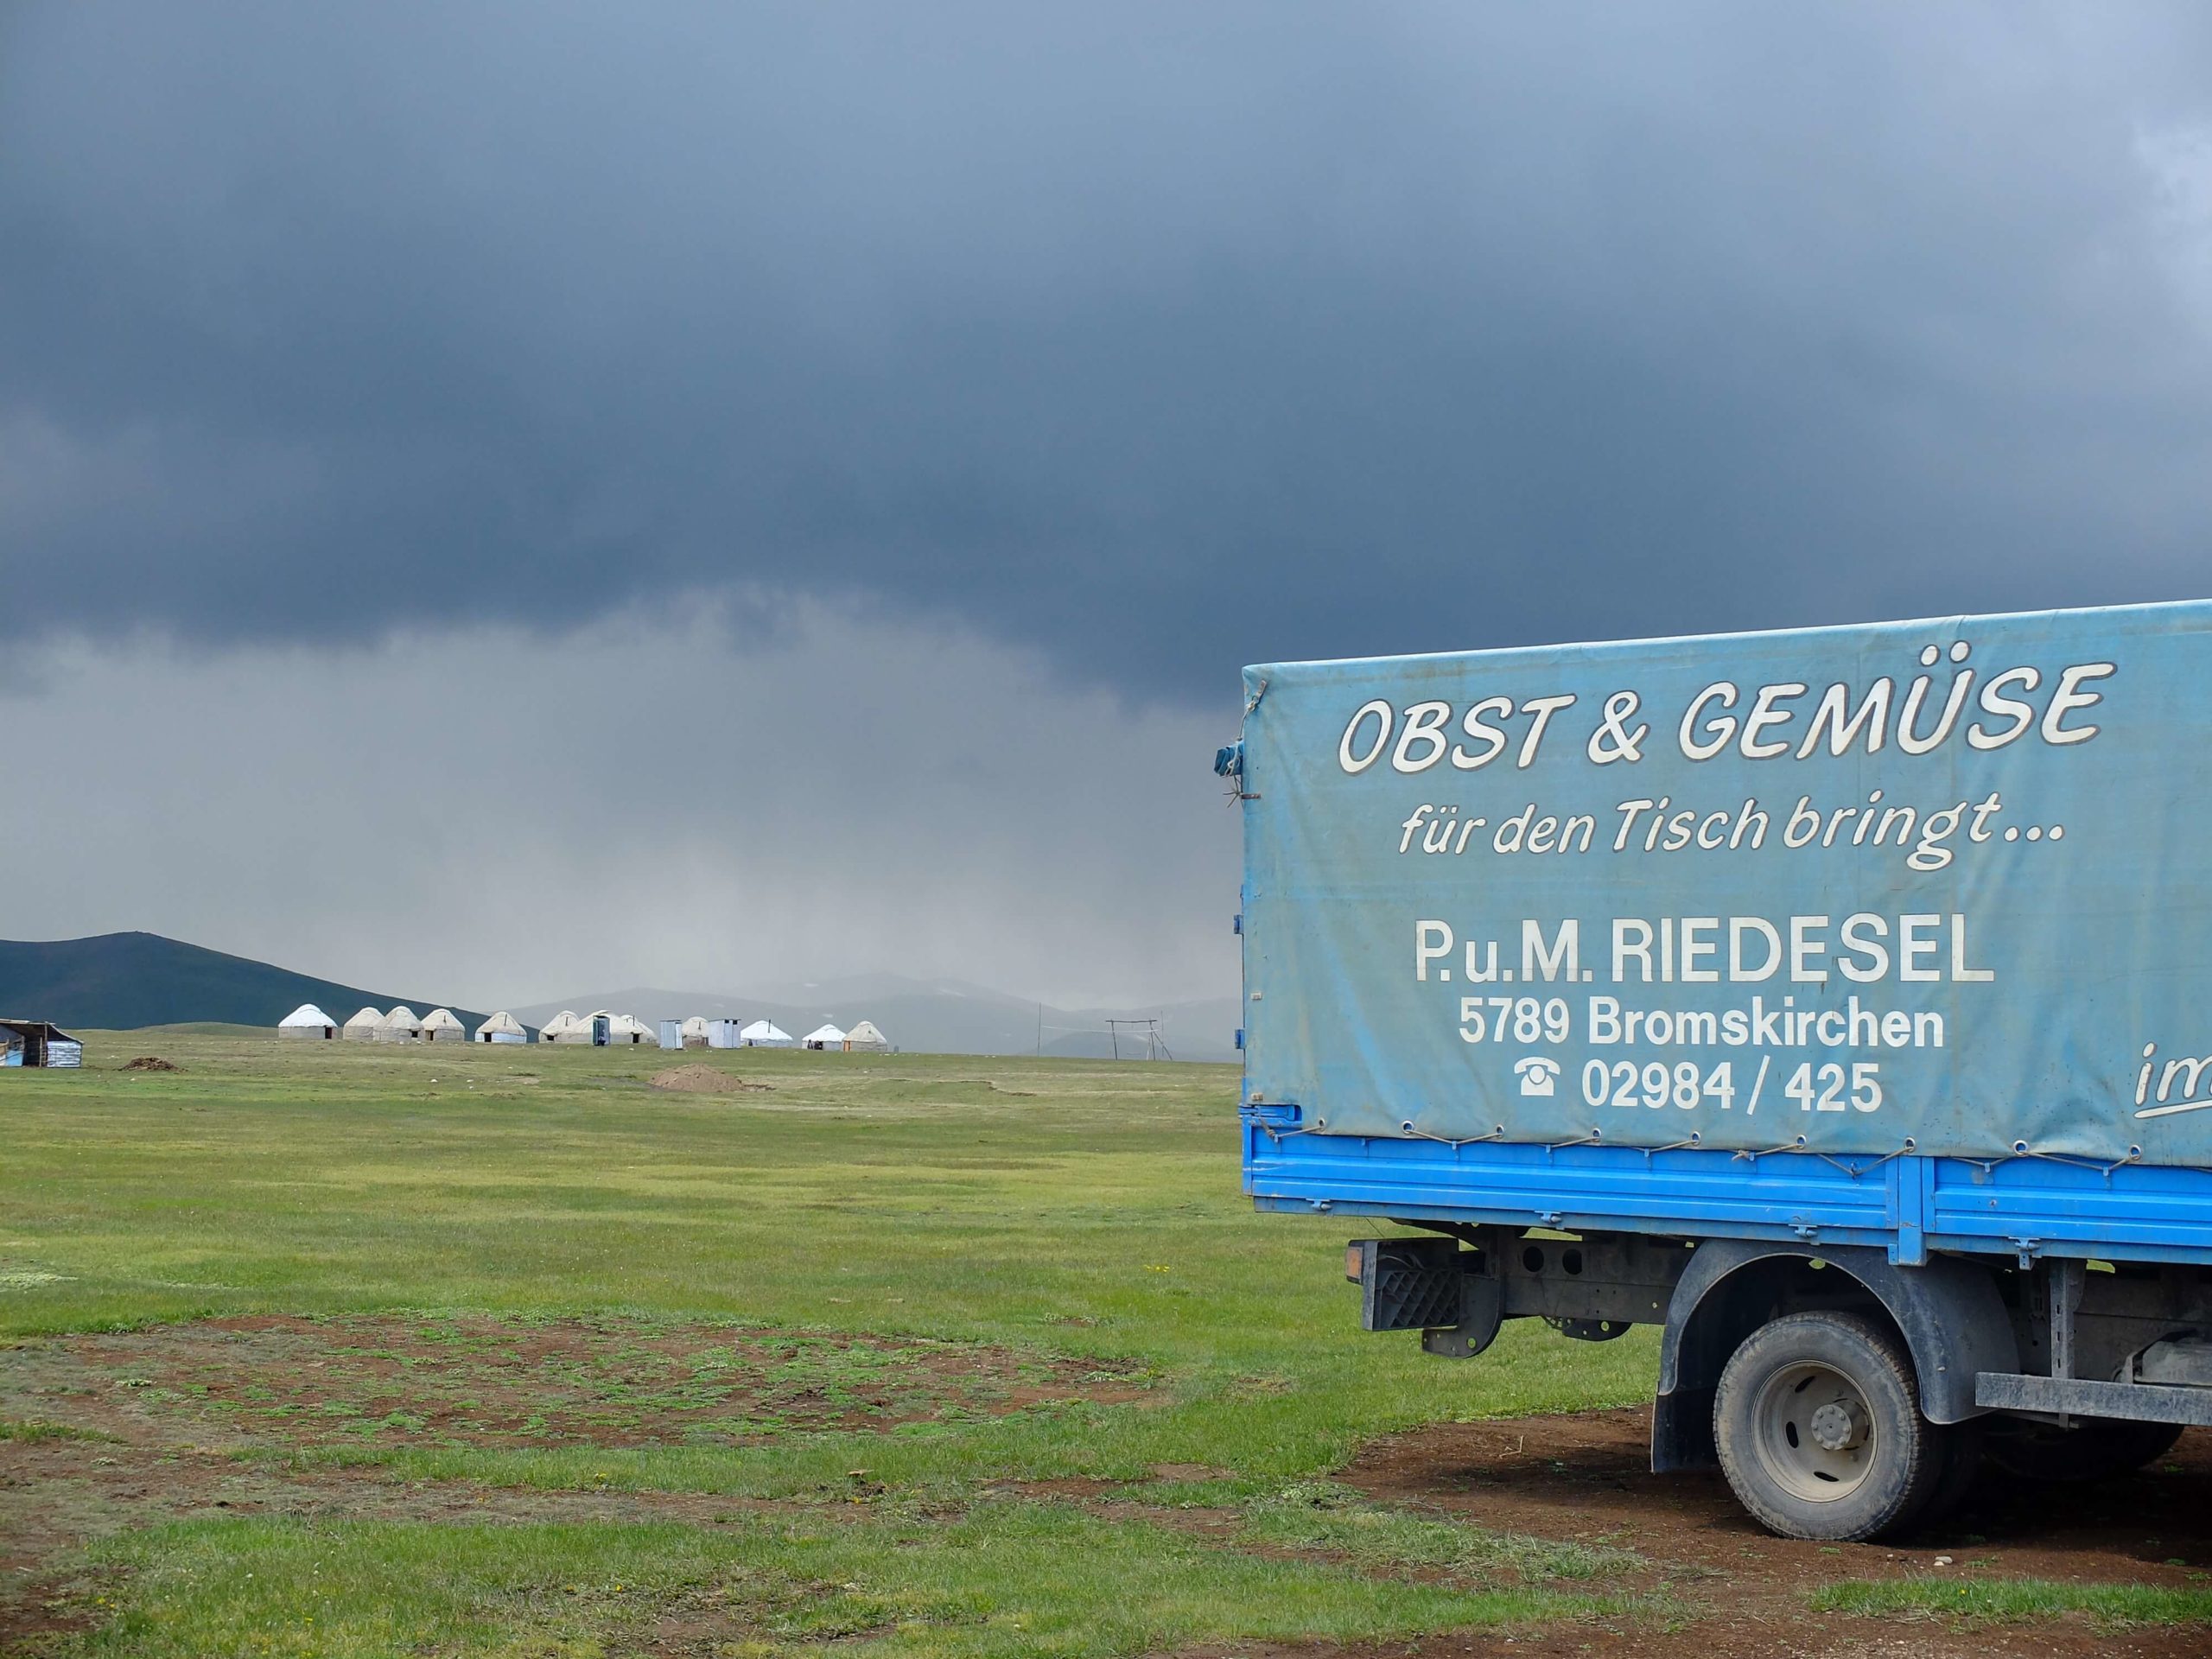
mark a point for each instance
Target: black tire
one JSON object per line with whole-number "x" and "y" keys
{"x": 2096, "y": 1448}
{"x": 1817, "y": 1420}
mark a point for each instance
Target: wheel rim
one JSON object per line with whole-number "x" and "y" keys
{"x": 1814, "y": 1432}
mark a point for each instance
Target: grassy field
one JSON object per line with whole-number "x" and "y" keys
{"x": 504, "y": 1351}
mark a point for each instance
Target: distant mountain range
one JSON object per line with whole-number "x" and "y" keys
{"x": 119, "y": 981}
{"x": 114, "y": 982}
{"x": 937, "y": 1016}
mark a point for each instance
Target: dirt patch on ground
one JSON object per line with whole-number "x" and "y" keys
{"x": 392, "y": 1381}
{"x": 698, "y": 1079}
{"x": 1588, "y": 1478}
{"x": 152, "y": 1063}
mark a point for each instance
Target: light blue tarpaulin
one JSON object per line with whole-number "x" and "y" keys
{"x": 1944, "y": 883}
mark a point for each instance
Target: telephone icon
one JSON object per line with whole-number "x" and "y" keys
{"x": 1537, "y": 1072}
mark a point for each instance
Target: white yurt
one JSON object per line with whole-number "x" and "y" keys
{"x": 307, "y": 1023}
{"x": 444, "y": 1025}
{"x": 585, "y": 1030}
{"x": 362, "y": 1028}
{"x": 695, "y": 1032}
{"x": 400, "y": 1025}
{"x": 502, "y": 1027}
{"x": 724, "y": 1033}
{"x": 766, "y": 1033}
{"x": 824, "y": 1038}
{"x": 865, "y": 1038}
{"x": 623, "y": 1029}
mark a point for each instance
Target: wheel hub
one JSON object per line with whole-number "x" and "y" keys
{"x": 1814, "y": 1433}
{"x": 1836, "y": 1426}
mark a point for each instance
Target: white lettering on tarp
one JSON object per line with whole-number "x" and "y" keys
{"x": 2178, "y": 1083}
{"x": 1928, "y": 837}
{"x": 1865, "y": 948}
{"x": 1781, "y": 719}
{"x": 1761, "y": 1023}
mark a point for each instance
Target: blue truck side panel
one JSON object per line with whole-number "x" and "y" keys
{"x": 2064, "y": 1106}
{"x": 1907, "y": 1207}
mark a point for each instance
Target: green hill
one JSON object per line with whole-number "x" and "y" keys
{"x": 119, "y": 981}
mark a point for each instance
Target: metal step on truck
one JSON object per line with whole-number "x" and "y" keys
{"x": 1838, "y": 1001}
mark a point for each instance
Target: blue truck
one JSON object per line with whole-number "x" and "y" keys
{"x": 1838, "y": 1001}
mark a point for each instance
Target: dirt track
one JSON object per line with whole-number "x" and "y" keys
{"x": 1588, "y": 1477}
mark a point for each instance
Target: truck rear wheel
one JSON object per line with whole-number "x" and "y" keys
{"x": 1817, "y": 1420}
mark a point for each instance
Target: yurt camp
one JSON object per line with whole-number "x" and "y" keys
{"x": 824, "y": 1039}
{"x": 400, "y": 1025}
{"x": 502, "y": 1027}
{"x": 307, "y": 1023}
{"x": 362, "y": 1028}
{"x": 766, "y": 1033}
{"x": 443, "y": 1026}
{"x": 865, "y": 1038}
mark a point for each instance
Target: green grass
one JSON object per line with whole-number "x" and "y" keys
{"x": 1058, "y": 1209}
{"x": 1004, "y": 1579}
{"x": 2013, "y": 1599}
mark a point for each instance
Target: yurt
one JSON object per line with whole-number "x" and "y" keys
{"x": 307, "y": 1023}
{"x": 622, "y": 1029}
{"x": 502, "y": 1027}
{"x": 552, "y": 1030}
{"x": 594, "y": 1029}
{"x": 441, "y": 1025}
{"x": 724, "y": 1033}
{"x": 865, "y": 1038}
{"x": 400, "y": 1025}
{"x": 824, "y": 1038}
{"x": 766, "y": 1033}
{"x": 362, "y": 1028}
{"x": 695, "y": 1032}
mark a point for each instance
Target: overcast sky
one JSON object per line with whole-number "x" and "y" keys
{"x": 531, "y": 499}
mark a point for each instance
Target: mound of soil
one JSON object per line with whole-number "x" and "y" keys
{"x": 697, "y": 1079}
{"x": 152, "y": 1063}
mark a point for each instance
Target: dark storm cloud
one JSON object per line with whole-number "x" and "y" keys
{"x": 1160, "y": 339}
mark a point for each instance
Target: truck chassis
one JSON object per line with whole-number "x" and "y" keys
{"x": 1848, "y": 1338}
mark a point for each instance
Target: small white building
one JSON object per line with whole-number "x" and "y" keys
{"x": 724, "y": 1033}
{"x": 362, "y": 1028}
{"x": 623, "y": 1029}
{"x": 444, "y": 1025}
{"x": 671, "y": 1034}
{"x": 400, "y": 1025}
{"x": 695, "y": 1032}
{"x": 552, "y": 1030}
{"x": 766, "y": 1033}
{"x": 307, "y": 1023}
{"x": 824, "y": 1037}
{"x": 865, "y": 1038}
{"x": 502, "y": 1027}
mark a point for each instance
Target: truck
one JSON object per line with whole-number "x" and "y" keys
{"x": 1837, "y": 1000}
